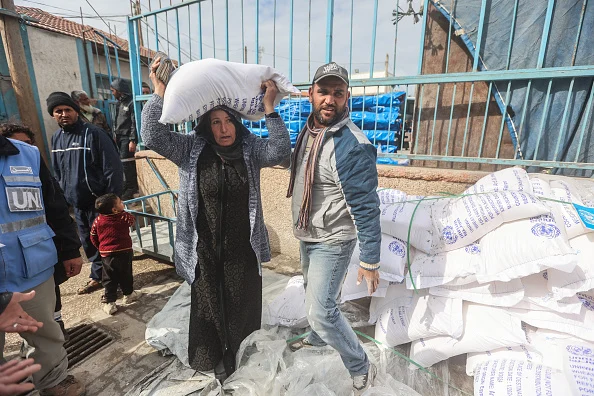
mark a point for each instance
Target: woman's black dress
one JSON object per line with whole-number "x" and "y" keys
{"x": 242, "y": 281}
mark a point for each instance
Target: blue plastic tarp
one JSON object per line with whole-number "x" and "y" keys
{"x": 544, "y": 133}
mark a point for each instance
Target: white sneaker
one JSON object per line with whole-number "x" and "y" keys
{"x": 130, "y": 298}
{"x": 363, "y": 382}
{"x": 110, "y": 308}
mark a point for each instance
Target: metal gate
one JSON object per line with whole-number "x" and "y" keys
{"x": 482, "y": 96}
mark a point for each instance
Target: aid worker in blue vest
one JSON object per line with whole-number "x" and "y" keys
{"x": 30, "y": 202}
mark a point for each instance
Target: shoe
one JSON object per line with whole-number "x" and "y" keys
{"x": 69, "y": 387}
{"x": 300, "y": 343}
{"x": 66, "y": 335}
{"x": 110, "y": 308}
{"x": 90, "y": 287}
{"x": 363, "y": 382}
{"x": 130, "y": 298}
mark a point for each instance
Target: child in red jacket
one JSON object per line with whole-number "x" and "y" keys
{"x": 110, "y": 233}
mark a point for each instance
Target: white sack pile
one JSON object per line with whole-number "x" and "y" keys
{"x": 198, "y": 86}
{"x": 504, "y": 273}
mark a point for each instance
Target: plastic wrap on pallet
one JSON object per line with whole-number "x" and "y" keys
{"x": 392, "y": 99}
{"x": 383, "y": 136}
{"x": 372, "y": 121}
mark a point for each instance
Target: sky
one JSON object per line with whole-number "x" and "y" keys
{"x": 309, "y": 31}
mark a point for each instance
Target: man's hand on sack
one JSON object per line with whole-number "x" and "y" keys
{"x": 11, "y": 375}
{"x": 14, "y": 319}
{"x": 73, "y": 266}
{"x": 132, "y": 147}
{"x": 270, "y": 92}
{"x": 371, "y": 277}
{"x": 158, "y": 84}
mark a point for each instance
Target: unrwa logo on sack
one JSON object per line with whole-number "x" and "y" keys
{"x": 24, "y": 199}
{"x": 546, "y": 230}
{"x": 473, "y": 249}
{"x": 586, "y": 216}
{"x": 397, "y": 248}
{"x": 449, "y": 235}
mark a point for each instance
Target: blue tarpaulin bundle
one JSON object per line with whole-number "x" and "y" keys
{"x": 378, "y": 116}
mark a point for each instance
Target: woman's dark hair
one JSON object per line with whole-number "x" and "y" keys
{"x": 105, "y": 203}
{"x": 9, "y": 130}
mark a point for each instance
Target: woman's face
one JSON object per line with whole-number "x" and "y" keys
{"x": 223, "y": 128}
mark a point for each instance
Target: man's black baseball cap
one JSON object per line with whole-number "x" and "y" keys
{"x": 331, "y": 69}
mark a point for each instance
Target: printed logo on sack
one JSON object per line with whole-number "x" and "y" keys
{"x": 397, "y": 248}
{"x": 449, "y": 235}
{"x": 549, "y": 231}
{"x": 587, "y": 302}
{"x": 545, "y": 275}
{"x": 588, "y": 217}
{"x": 21, "y": 170}
{"x": 579, "y": 350}
{"x": 24, "y": 199}
{"x": 473, "y": 249}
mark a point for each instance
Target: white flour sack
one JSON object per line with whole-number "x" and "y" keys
{"x": 288, "y": 309}
{"x": 198, "y": 86}
{"x": 396, "y": 296}
{"x": 519, "y": 352}
{"x": 430, "y": 270}
{"x": 485, "y": 328}
{"x": 537, "y": 297}
{"x": 564, "y": 284}
{"x": 524, "y": 247}
{"x": 518, "y": 377}
{"x": 578, "y": 325}
{"x": 427, "y": 316}
{"x": 566, "y": 190}
{"x": 392, "y": 258}
{"x": 352, "y": 291}
{"x": 552, "y": 345}
{"x": 498, "y": 294}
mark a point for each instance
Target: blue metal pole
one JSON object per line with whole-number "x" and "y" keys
{"x": 156, "y": 33}
{"x": 395, "y": 35}
{"x": 373, "y": 34}
{"x": 423, "y": 28}
{"x": 200, "y": 30}
{"x": 329, "y": 23}
{"x": 291, "y": 40}
{"x": 511, "y": 35}
{"x": 545, "y": 34}
{"x": 585, "y": 122}
{"x": 351, "y": 39}
{"x": 135, "y": 77}
{"x": 178, "y": 37}
{"x": 214, "y": 47}
{"x": 447, "y": 64}
{"x": 258, "y": 31}
{"x": 479, "y": 38}
{"x": 227, "y": 29}
{"x": 117, "y": 60}
{"x": 242, "y": 34}
{"x": 107, "y": 59}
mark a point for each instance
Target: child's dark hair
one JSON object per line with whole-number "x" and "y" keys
{"x": 105, "y": 203}
{"x": 10, "y": 129}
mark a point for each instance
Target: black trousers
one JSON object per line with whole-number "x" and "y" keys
{"x": 117, "y": 271}
{"x": 84, "y": 221}
{"x": 129, "y": 165}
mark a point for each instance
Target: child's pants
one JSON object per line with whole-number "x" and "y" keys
{"x": 117, "y": 270}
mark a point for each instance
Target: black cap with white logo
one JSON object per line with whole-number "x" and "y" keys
{"x": 331, "y": 69}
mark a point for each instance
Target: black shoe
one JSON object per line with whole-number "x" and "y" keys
{"x": 66, "y": 335}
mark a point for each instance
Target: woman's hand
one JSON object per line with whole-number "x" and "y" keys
{"x": 158, "y": 84}
{"x": 270, "y": 92}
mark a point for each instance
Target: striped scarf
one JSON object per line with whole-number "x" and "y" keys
{"x": 318, "y": 135}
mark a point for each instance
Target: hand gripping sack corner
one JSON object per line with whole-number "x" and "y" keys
{"x": 198, "y": 86}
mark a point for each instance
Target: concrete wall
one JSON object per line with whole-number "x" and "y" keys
{"x": 274, "y": 182}
{"x": 55, "y": 61}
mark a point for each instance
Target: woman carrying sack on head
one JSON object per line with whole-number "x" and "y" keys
{"x": 221, "y": 238}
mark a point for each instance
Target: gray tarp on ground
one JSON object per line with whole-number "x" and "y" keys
{"x": 267, "y": 367}
{"x": 560, "y": 52}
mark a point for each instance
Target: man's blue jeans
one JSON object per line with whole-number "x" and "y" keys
{"x": 324, "y": 268}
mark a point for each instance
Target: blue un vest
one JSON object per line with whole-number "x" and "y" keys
{"x": 28, "y": 254}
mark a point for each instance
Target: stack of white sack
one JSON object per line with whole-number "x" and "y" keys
{"x": 503, "y": 271}
{"x": 198, "y": 86}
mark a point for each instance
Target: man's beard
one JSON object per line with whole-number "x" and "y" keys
{"x": 338, "y": 114}
{"x": 87, "y": 108}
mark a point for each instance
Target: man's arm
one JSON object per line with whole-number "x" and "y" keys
{"x": 111, "y": 163}
{"x": 133, "y": 136}
{"x": 58, "y": 216}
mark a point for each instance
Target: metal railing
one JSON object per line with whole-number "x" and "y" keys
{"x": 491, "y": 113}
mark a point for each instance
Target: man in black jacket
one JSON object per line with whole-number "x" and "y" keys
{"x": 125, "y": 133}
{"x": 87, "y": 165}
